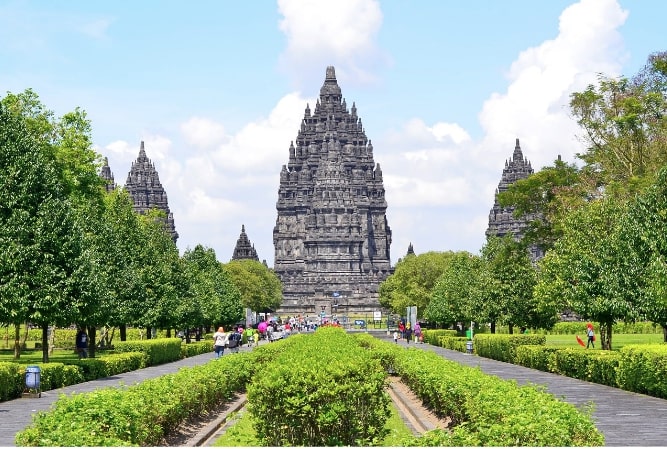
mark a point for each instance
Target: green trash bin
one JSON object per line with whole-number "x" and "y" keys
{"x": 469, "y": 334}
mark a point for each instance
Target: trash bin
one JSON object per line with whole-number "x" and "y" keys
{"x": 32, "y": 379}
{"x": 469, "y": 346}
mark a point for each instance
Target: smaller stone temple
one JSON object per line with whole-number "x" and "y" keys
{"x": 501, "y": 219}
{"x": 107, "y": 175}
{"x": 244, "y": 249}
{"x": 143, "y": 185}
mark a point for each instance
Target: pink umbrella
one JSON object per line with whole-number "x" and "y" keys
{"x": 262, "y": 326}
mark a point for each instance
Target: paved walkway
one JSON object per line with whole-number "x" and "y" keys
{"x": 625, "y": 419}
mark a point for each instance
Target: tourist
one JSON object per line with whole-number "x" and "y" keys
{"x": 255, "y": 336}
{"x": 219, "y": 342}
{"x": 395, "y": 336}
{"x": 82, "y": 343}
{"x": 591, "y": 336}
{"x": 234, "y": 340}
{"x": 408, "y": 333}
{"x": 418, "y": 333}
{"x": 401, "y": 328}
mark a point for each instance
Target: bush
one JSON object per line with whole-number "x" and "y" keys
{"x": 325, "y": 391}
{"x": 12, "y": 380}
{"x": 534, "y": 356}
{"x": 454, "y": 343}
{"x": 643, "y": 369}
{"x": 503, "y": 347}
{"x": 158, "y": 351}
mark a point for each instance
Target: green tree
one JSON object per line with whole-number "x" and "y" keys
{"x": 507, "y": 284}
{"x": 643, "y": 253}
{"x": 38, "y": 242}
{"x": 260, "y": 288}
{"x": 624, "y": 122}
{"x": 413, "y": 281}
{"x": 546, "y": 196}
{"x": 581, "y": 273}
{"x": 456, "y": 293}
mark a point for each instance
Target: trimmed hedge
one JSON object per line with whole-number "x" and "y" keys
{"x": 110, "y": 365}
{"x": 454, "y": 343}
{"x": 485, "y": 410}
{"x": 643, "y": 369}
{"x": 158, "y": 351}
{"x": 324, "y": 391}
{"x": 11, "y": 380}
{"x": 534, "y": 356}
{"x": 431, "y": 336}
{"x": 503, "y": 347}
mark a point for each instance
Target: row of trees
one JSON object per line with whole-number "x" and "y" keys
{"x": 72, "y": 253}
{"x": 602, "y": 224}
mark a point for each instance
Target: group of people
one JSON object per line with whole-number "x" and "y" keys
{"x": 233, "y": 340}
{"x": 405, "y": 331}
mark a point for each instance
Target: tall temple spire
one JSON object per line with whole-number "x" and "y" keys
{"x": 501, "y": 219}
{"x": 143, "y": 185}
{"x": 107, "y": 175}
{"x": 331, "y": 233}
{"x": 244, "y": 249}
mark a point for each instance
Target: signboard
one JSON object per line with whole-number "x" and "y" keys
{"x": 377, "y": 316}
{"x": 336, "y": 294}
{"x": 361, "y": 323}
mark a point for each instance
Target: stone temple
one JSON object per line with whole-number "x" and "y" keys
{"x": 331, "y": 237}
{"x": 244, "y": 249}
{"x": 144, "y": 187}
{"x": 501, "y": 219}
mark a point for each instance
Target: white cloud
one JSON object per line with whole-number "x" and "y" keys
{"x": 202, "y": 132}
{"x": 263, "y": 145}
{"x": 340, "y": 33}
{"x": 535, "y": 106}
{"x": 97, "y": 29}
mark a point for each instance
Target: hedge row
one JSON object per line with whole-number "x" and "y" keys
{"x": 484, "y": 410}
{"x": 58, "y": 375}
{"x": 65, "y": 338}
{"x": 127, "y": 356}
{"x": 144, "y": 414}
{"x": 325, "y": 391}
{"x": 636, "y": 368}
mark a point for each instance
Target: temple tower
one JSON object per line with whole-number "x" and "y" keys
{"x": 107, "y": 175}
{"x": 143, "y": 185}
{"x": 244, "y": 249}
{"x": 331, "y": 237}
{"x": 501, "y": 219}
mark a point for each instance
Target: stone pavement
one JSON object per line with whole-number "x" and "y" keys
{"x": 625, "y": 419}
{"x": 15, "y": 415}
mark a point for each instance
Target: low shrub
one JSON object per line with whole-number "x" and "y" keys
{"x": 196, "y": 348}
{"x": 454, "y": 343}
{"x": 325, "y": 391}
{"x": 11, "y": 380}
{"x": 158, "y": 351}
{"x": 503, "y": 347}
{"x": 431, "y": 336}
{"x": 534, "y": 356}
{"x": 643, "y": 369}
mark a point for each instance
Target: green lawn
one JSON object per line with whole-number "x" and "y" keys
{"x": 31, "y": 356}
{"x": 617, "y": 340}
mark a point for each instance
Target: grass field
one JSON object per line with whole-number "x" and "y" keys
{"x": 617, "y": 340}
{"x": 35, "y": 356}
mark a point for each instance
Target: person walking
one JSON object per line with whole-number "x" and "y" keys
{"x": 219, "y": 342}
{"x": 82, "y": 343}
{"x": 418, "y": 333}
{"x": 591, "y": 336}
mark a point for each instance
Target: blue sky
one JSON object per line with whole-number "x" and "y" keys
{"x": 217, "y": 90}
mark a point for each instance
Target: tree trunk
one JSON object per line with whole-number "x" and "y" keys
{"x": 605, "y": 334}
{"x": 664, "y": 332}
{"x": 92, "y": 331}
{"x": 17, "y": 341}
{"x": 493, "y": 327}
{"x": 511, "y": 328}
{"x": 45, "y": 343}
{"x": 123, "y": 332}
{"x": 169, "y": 333}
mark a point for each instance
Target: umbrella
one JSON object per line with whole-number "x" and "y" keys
{"x": 580, "y": 341}
{"x": 262, "y": 326}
